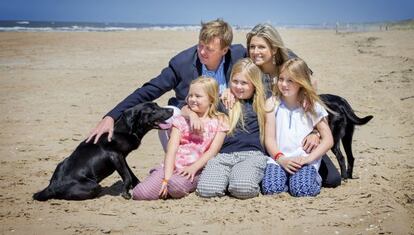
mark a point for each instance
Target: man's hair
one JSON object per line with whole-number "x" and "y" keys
{"x": 216, "y": 28}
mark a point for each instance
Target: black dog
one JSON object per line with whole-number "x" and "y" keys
{"x": 342, "y": 125}
{"x": 78, "y": 176}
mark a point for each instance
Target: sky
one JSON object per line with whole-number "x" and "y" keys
{"x": 241, "y": 12}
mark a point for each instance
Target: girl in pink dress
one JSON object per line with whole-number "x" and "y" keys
{"x": 187, "y": 151}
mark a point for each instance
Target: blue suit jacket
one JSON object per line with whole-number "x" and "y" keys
{"x": 181, "y": 70}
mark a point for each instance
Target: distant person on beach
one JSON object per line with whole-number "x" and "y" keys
{"x": 292, "y": 169}
{"x": 188, "y": 151}
{"x": 239, "y": 167}
{"x": 214, "y": 56}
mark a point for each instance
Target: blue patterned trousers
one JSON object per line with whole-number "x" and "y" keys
{"x": 303, "y": 183}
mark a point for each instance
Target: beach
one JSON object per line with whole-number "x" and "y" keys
{"x": 56, "y": 86}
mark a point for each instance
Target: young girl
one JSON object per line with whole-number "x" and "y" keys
{"x": 239, "y": 167}
{"x": 187, "y": 151}
{"x": 291, "y": 168}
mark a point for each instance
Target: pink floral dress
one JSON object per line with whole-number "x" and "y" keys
{"x": 193, "y": 145}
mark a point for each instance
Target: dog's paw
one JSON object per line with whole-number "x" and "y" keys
{"x": 126, "y": 195}
{"x": 350, "y": 175}
{"x": 353, "y": 177}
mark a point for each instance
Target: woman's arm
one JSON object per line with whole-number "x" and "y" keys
{"x": 326, "y": 142}
{"x": 311, "y": 141}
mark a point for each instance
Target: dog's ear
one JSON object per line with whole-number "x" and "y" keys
{"x": 129, "y": 120}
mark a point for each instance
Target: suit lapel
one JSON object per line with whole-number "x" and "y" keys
{"x": 197, "y": 67}
{"x": 227, "y": 64}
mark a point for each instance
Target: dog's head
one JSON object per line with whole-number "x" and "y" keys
{"x": 146, "y": 116}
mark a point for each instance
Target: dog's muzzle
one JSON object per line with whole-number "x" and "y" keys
{"x": 167, "y": 124}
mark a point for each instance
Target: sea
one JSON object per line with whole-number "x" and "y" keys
{"x": 59, "y": 26}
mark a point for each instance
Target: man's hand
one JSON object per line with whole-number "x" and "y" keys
{"x": 227, "y": 98}
{"x": 106, "y": 125}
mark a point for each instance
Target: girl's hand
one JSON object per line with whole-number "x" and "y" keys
{"x": 291, "y": 165}
{"x": 196, "y": 124}
{"x": 227, "y": 98}
{"x": 302, "y": 160}
{"x": 189, "y": 172}
{"x": 164, "y": 189}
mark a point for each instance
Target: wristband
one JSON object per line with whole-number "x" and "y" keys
{"x": 277, "y": 155}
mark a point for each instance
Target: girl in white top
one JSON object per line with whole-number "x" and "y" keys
{"x": 287, "y": 124}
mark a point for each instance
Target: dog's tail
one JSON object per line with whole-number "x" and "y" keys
{"x": 362, "y": 121}
{"x": 357, "y": 120}
{"x": 336, "y": 104}
{"x": 44, "y": 195}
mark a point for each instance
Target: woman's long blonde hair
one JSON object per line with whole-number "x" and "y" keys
{"x": 249, "y": 70}
{"x": 210, "y": 86}
{"x": 299, "y": 72}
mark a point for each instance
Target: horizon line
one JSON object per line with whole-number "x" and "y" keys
{"x": 191, "y": 24}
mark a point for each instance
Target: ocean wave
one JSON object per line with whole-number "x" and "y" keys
{"x": 44, "y": 26}
{"x": 95, "y": 29}
{"x": 39, "y": 26}
{"x": 23, "y": 22}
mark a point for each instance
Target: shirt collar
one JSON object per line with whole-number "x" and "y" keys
{"x": 220, "y": 67}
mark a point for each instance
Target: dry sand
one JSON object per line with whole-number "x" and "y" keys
{"x": 56, "y": 86}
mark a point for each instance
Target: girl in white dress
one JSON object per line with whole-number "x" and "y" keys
{"x": 287, "y": 124}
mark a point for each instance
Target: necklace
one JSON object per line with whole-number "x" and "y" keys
{"x": 271, "y": 80}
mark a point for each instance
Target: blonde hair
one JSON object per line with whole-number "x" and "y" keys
{"x": 252, "y": 72}
{"x": 210, "y": 87}
{"x": 300, "y": 73}
{"x": 216, "y": 28}
{"x": 272, "y": 37}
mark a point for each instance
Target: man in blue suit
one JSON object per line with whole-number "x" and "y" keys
{"x": 214, "y": 56}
